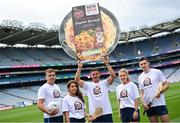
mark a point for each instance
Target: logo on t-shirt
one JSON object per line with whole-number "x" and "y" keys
{"x": 78, "y": 105}
{"x": 97, "y": 90}
{"x": 56, "y": 94}
{"x": 147, "y": 82}
{"x": 124, "y": 93}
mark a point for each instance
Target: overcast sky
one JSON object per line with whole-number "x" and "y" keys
{"x": 129, "y": 13}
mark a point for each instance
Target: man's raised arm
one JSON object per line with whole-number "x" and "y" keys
{"x": 112, "y": 76}
{"x": 77, "y": 76}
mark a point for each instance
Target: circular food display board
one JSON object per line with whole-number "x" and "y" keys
{"x": 110, "y": 29}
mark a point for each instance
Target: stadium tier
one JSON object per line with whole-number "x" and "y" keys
{"x": 24, "y": 67}
{"x": 44, "y": 56}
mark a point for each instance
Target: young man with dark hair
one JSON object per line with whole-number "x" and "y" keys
{"x": 152, "y": 85}
{"x": 97, "y": 91}
{"x": 47, "y": 93}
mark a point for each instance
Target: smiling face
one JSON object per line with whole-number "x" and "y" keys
{"x": 50, "y": 77}
{"x": 124, "y": 76}
{"x": 95, "y": 75}
{"x": 73, "y": 88}
{"x": 144, "y": 64}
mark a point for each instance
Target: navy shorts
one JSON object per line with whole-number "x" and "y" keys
{"x": 104, "y": 118}
{"x": 158, "y": 110}
{"x": 127, "y": 115}
{"x": 77, "y": 120}
{"x": 58, "y": 119}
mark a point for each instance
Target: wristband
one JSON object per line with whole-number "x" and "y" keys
{"x": 107, "y": 64}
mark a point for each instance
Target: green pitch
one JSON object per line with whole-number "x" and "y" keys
{"x": 32, "y": 114}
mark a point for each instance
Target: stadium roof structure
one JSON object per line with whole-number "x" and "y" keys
{"x": 12, "y": 32}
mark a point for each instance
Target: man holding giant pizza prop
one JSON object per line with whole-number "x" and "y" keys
{"x": 100, "y": 109}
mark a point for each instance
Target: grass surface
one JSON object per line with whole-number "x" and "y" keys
{"x": 32, "y": 113}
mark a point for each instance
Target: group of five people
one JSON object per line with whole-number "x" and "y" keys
{"x": 152, "y": 85}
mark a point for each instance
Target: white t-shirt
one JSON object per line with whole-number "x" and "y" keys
{"x": 50, "y": 93}
{"x": 98, "y": 96}
{"x": 74, "y": 106}
{"x": 127, "y": 93}
{"x": 149, "y": 83}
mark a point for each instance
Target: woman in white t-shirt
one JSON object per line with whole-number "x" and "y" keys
{"x": 73, "y": 104}
{"x": 128, "y": 95}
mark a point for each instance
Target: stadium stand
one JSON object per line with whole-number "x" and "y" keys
{"x": 22, "y": 69}
{"x": 42, "y": 56}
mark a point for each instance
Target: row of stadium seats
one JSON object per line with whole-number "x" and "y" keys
{"x": 24, "y": 56}
{"x": 10, "y": 79}
{"x": 42, "y": 56}
{"x": 146, "y": 47}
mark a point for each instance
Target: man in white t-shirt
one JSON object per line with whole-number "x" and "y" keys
{"x": 153, "y": 84}
{"x": 49, "y": 93}
{"x": 97, "y": 91}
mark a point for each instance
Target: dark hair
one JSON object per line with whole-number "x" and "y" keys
{"x": 78, "y": 93}
{"x": 93, "y": 69}
{"x": 143, "y": 58}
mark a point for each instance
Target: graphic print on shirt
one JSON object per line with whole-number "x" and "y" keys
{"x": 56, "y": 94}
{"x": 147, "y": 82}
{"x": 97, "y": 91}
{"x": 123, "y": 93}
{"x": 78, "y": 105}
